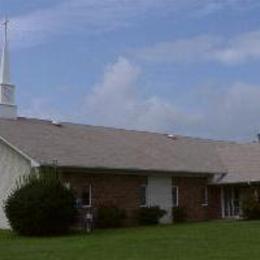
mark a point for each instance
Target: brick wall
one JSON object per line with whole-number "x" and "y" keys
{"x": 110, "y": 189}
{"x": 191, "y": 198}
{"x": 123, "y": 191}
{"x": 214, "y": 207}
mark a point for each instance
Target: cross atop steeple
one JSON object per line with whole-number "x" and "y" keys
{"x": 5, "y": 24}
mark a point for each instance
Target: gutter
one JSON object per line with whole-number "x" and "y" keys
{"x": 180, "y": 173}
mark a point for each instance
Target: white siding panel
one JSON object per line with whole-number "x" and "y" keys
{"x": 160, "y": 194}
{"x": 12, "y": 165}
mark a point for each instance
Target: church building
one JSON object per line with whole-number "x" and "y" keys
{"x": 125, "y": 168}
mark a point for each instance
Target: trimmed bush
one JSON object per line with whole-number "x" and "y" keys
{"x": 251, "y": 208}
{"x": 178, "y": 214}
{"x": 109, "y": 217}
{"x": 40, "y": 205}
{"x": 150, "y": 215}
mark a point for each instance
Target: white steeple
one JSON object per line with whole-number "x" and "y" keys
{"x": 8, "y": 108}
{"x": 5, "y": 70}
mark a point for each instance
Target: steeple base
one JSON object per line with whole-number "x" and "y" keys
{"x": 8, "y": 111}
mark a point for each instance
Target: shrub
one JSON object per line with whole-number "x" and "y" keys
{"x": 251, "y": 208}
{"x": 150, "y": 215}
{"x": 40, "y": 205}
{"x": 109, "y": 217}
{"x": 178, "y": 214}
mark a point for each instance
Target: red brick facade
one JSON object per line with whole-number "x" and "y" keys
{"x": 109, "y": 189}
{"x": 191, "y": 198}
{"x": 214, "y": 207}
{"x": 123, "y": 190}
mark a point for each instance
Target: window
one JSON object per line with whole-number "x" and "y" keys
{"x": 257, "y": 194}
{"x": 175, "y": 196}
{"x": 143, "y": 195}
{"x": 204, "y": 196}
{"x": 67, "y": 185}
{"x": 86, "y": 196}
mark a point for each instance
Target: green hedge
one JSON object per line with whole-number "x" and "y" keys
{"x": 178, "y": 214}
{"x": 150, "y": 215}
{"x": 109, "y": 217}
{"x": 40, "y": 205}
{"x": 251, "y": 207}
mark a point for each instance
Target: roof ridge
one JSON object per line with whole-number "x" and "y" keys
{"x": 166, "y": 134}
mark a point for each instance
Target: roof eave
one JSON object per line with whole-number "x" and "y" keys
{"x": 180, "y": 173}
{"x": 33, "y": 162}
{"x": 222, "y": 183}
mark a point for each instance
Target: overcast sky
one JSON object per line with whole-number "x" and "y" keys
{"x": 190, "y": 67}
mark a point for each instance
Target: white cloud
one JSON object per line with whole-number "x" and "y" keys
{"x": 116, "y": 101}
{"x": 41, "y": 108}
{"x": 213, "y": 6}
{"x": 88, "y": 16}
{"x": 231, "y": 112}
{"x": 220, "y": 112}
{"x": 225, "y": 113}
{"x": 239, "y": 49}
{"x": 92, "y": 16}
{"x": 183, "y": 50}
{"x": 232, "y": 51}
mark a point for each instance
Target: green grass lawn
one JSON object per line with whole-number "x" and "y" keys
{"x": 212, "y": 240}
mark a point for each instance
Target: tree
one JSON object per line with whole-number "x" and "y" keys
{"x": 40, "y": 205}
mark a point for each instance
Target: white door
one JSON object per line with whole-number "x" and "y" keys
{"x": 160, "y": 194}
{"x": 231, "y": 201}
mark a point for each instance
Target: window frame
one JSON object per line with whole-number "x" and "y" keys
{"x": 205, "y": 199}
{"x": 90, "y": 196}
{"x": 257, "y": 194}
{"x": 176, "y": 187}
{"x": 145, "y": 194}
{"x": 67, "y": 185}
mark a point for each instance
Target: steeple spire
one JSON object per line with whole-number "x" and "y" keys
{"x": 4, "y": 69}
{"x": 8, "y": 108}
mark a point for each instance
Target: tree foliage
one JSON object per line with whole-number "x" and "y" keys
{"x": 109, "y": 217}
{"x": 150, "y": 215}
{"x": 40, "y": 205}
{"x": 251, "y": 207}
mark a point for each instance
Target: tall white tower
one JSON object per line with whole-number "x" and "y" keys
{"x": 8, "y": 108}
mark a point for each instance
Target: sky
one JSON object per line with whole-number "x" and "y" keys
{"x": 189, "y": 67}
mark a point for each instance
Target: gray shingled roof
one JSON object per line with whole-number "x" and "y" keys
{"x": 242, "y": 162}
{"x": 76, "y": 145}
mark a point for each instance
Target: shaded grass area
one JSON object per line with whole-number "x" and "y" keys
{"x": 211, "y": 240}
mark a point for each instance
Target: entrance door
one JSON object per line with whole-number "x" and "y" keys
{"x": 231, "y": 201}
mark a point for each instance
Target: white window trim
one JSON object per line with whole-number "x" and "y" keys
{"x": 146, "y": 196}
{"x": 206, "y": 197}
{"x": 90, "y": 198}
{"x": 256, "y": 194}
{"x": 222, "y": 202}
{"x": 177, "y": 196}
{"x": 67, "y": 185}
